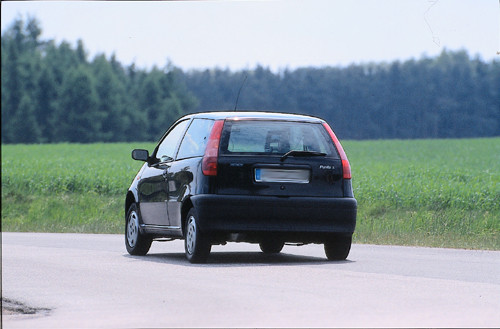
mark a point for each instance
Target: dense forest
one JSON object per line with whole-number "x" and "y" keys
{"x": 55, "y": 93}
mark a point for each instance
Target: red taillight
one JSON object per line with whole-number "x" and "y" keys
{"x": 209, "y": 163}
{"x": 346, "y": 168}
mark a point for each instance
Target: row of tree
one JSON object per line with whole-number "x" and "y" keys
{"x": 447, "y": 96}
{"x": 54, "y": 93}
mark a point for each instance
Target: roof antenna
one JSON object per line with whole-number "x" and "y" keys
{"x": 238, "y": 97}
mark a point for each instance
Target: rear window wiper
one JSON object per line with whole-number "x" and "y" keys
{"x": 296, "y": 153}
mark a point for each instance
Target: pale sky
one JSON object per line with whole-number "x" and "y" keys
{"x": 275, "y": 34}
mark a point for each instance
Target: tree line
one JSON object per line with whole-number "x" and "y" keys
{"x": 449, "y": 96}
{"x": 54, "y": 93}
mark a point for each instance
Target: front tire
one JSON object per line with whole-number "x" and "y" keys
{"x": 137, "y": 244}
{"x": 338, "y": 247}
{"x": 271, "y": 246}
{"x": 197, "y": 244}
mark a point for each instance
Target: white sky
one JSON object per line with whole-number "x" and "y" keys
{"x": 277, "y": 34}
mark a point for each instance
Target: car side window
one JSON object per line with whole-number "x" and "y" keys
{"x": 166, "y": 150}
{"x": 195, "y": 140}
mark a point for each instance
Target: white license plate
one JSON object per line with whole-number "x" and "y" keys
{"x": 282, "y": 175}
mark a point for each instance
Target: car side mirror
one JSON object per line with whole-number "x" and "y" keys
{"x": 141, "y": 155}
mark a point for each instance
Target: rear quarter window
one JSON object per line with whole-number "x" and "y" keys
{"x": 255, "y": 137}
{"x": 195, "y": 140}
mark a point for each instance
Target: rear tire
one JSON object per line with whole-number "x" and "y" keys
{"x": 271, "y": 246}
{"x": 137, "y": 244}
{"x": 197, "y": 243}
{"x": 338, "y": 247}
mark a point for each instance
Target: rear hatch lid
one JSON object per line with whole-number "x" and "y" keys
{"x": 278, "y": 158}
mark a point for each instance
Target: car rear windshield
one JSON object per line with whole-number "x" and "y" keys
{"x": 254, "y": 137}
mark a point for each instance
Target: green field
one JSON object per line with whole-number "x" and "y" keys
{"x": 441, "y": 193}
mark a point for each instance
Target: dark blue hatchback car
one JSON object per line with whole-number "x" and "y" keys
{"x": 258, "y": 177}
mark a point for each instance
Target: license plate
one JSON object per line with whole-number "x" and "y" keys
{"x": 282, "y": 175}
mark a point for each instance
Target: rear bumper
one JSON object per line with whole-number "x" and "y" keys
{"x": 297, "y": 215}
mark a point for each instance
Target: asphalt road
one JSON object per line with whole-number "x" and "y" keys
{"x": 77, "y": 280}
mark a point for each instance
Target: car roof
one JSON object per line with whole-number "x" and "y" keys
{"x": 257, "y": 115}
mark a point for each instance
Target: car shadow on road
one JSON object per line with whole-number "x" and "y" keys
{"x": 221, "y": 259}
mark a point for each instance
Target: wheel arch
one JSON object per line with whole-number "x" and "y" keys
{"x": 129, "y": 200}
{"x": 186, "y": 205}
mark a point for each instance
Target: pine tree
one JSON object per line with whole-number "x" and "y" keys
{"x": 46, "y": 103}
{"x": 24, "y": 124}
{"x": 78, "y": 114}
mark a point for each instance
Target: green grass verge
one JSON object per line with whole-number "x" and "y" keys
{"x": 447, "y": 228}
{"x": 440, "y": 193}
{"x": 66, "y": 213}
